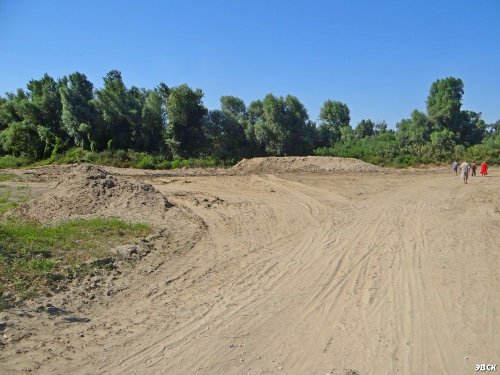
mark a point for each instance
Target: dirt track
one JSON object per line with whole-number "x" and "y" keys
{"x": 344, "y": 273}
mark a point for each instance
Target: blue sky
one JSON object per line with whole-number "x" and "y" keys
{"x": 378, "y": 57}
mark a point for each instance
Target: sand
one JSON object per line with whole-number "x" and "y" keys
{"x": 90, "y": 191}
{"x": 304, "y": 164}
{"x": 263, "y": 272}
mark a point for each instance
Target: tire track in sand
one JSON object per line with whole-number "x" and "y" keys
{"x": 299, "y": 278}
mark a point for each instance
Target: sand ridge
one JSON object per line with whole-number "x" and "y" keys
{"x": 295, "y": 164}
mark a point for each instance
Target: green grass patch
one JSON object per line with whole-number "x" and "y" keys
{"x": 33, "y": 257}
{"x": 9, "y": 161}
{"x": 9, "y": 177}
{"x": 11, "y": 196}
{"x": 6, "y": 204}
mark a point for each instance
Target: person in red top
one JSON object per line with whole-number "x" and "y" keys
{"x": 484, "y": 169}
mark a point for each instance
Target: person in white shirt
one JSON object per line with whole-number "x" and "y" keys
{"x": 465, "y": 167}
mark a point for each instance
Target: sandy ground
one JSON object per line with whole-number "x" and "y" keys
{"x": 387, "y": 272}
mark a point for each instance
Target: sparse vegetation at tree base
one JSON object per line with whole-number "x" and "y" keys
{"x": 130, "y": 159}
{"x": 121, "y": 159}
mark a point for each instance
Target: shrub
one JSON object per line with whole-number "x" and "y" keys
{"x": 9, "y": 161}
{"x": 146, "y": 162}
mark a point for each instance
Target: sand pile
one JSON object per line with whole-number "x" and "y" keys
{"x": 90, "y": 191}
{"x": 304, "y": 164}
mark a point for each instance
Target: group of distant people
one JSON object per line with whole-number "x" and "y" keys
{"x": 466, "y": 167}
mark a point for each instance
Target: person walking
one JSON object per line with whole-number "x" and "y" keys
{"x": 454, "y": 165}
{"x": 465, "y": 171}
{"x": 473, "y": 168}
{"x": 484, "y": 169}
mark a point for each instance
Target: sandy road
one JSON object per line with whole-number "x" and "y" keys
{"x": 306, "y": 274}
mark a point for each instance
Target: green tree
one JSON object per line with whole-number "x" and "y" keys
{"x": 364, "y": 129}
{"x": 45, "y": 106}
{"x": 255, "y": 111}
{"x": 3, "y": 107}
{"x": 283, "y": 127}
{"x": 51, "y": 143}
{"x": 444, "y": 109}
{"x": 233, "y": 106}
{"x": 444, "y": 103}
{"x": 333, "y": 116}
{"x": 136, "y": 99}
{"x": 346, "y": 133}
{"x": 442, "y": 144}
{"x": 12, "y": 108}
{"x": 185, "y": 111}
{"x": 22, "y": 139}
{"x": 153, "y": 121}
{"x": 225, "y": 135}
{"x": 416, "y": 130}
{"x": 79, "y": 115}
{"x": 163, "y": 90}
{"x": 472, "y": 128}
{"x": 113, "y": 102}
{"x": 494, "y": 128}
{"x": 380, "y": 128}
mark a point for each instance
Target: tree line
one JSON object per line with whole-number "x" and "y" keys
{"x": 51, "y": 116}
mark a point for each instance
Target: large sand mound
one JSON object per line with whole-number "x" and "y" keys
{"x": 90, "y": 191}
{"x": 304, "y": 164}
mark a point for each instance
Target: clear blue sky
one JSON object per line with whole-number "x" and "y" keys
{"x": 379, "y": 57}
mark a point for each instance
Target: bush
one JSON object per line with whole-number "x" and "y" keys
{"x": 9, "y": 161}
{"x": 164, "y": 164}
{"x": 118, "y": 158}
{"x": 22, "y": 139}
{"x": 488, "y": 150}
{"x": 146, "y": 162}
{"x": 381, "y": 149}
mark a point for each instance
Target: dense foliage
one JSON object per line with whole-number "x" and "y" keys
{"x": 154, "y": 128}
